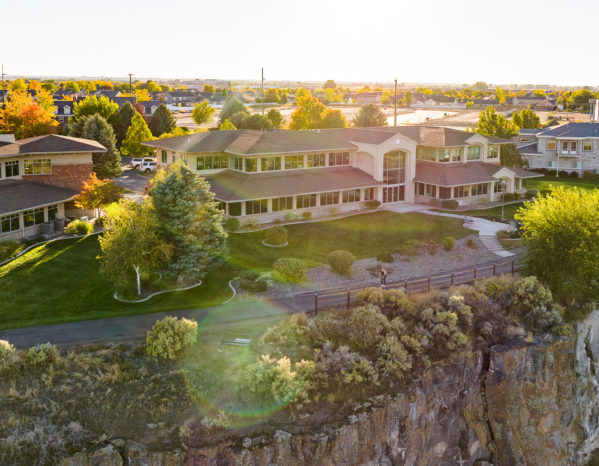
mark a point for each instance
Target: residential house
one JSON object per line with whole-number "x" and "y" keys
{"x": 149, "y": 107}
{"x": 484, "y": 103}
{"x": 39, "y": 176}
{"x": 181, "y": 97}
{"x": 436, "y": 101}
{"x": 265, "y": 174}
{"x": 535, "y": 102}
{"x": 64, "y": 111}
{"x": 365, "y": 98}
{"x": 121, "y": 100}
{"x": 573, "y": 147}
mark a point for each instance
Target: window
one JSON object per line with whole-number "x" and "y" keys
{"x": 235, "y": 209}
{"x": 9, "y": 223}
{"x": 569, "y": 147}
{"x": 587, "y": 146}
{"x": 473, "y": 153}
{"x": 306, "y": 200}
{"x": 426, "y": 153}
{"x": 492, "y": 152}
{"x": 52, "y": 212}
{"x": 251, "y": 165}
{"x": 316, "y": 160}
{"x": 393, "y": 194}
{"x": 423, "y": 189}
{"x": 394, "y": 164}
{"x": 33, "y": 217}
{"x": 353, "y": 195}
{"x": 268, "y": 164}
{"x": 551, "y": 164}
{"x": 550, "y": 145}
{"x": 164, "y": 156}
{"x": 444, "y": 193}
{"x": 282, "y": 203}
{"x": 294, "y": 161}
{"x": 236, "y": 163}
{"x": 523, "y": 139}
{"x": 256, "y": 207}
{"x": 500, "y": 186}
{"x": 211, "y": 162}
{"x": 479, "y": 189}
{"x": 338, "y": 158}
{"x": 184, "y": 159}
{"x": 11, "y": 168}
{"x": 461, "y": 191}
{"x": 173, "y": 158}
{"x": 369, "y": 194}
{"x": 329, "y": 198}
{"x": 450, "y": 155}
{"x": 38, "y": 167}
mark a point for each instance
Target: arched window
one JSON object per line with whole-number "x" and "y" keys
{"x": 394, "y": 167}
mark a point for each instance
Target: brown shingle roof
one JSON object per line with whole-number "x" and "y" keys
{"x": 18, "y": 195}
{"x": 456, "y": 174}
{"x": 51, "y": 143}
{"x": 231, "y": 185}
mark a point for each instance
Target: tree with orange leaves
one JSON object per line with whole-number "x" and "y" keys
{"x": 97, "y": 193}
{"x": 25, "y": 118}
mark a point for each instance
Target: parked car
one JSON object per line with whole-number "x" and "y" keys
{"x": 148, "y": 166}
{"x": 136, "y": 162}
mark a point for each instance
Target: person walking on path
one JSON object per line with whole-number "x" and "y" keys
{"x": 383, "y": 276}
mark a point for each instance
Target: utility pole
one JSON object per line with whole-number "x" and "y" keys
{"x": 3, "y": 74}
{"x": 262, "y": 91}
{"x": 130, "y": 85}
{"x": 395, "y": 105}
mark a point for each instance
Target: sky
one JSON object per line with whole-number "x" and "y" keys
{"x": 432, "y": 41}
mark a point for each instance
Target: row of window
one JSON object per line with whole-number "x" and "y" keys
{"x": 302, "y": 201}
{"x": 11, "y": 168}
{"x": 455, "y": 154}
{"x": 31, "y": 167}
{"x": 470, "y": 190}
{"x": 571, "y": 146}
{"x": 31, "y": 217}
{"x": 430, "y": 190}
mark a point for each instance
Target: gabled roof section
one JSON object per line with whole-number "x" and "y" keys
{"x": 457, "y": 174}
{"x": 51, "y": 144}
{"x": 18, "y": 195}
{"x": 573, "y": 130}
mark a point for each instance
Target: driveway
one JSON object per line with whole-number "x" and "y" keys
{"x": 132, "y": 180}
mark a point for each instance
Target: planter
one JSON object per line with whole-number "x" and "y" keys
{"x": 275, "y": 245}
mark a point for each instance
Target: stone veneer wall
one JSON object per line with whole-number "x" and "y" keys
{"x": 68, "y": 175}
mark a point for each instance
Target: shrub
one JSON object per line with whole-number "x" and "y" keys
{"x": 7, "y": 351}
{"x": 232, "y": 224}
{"x": 79, "y": 227}
{"x": 471, "y": 243}
{"x": 450, "y": 204}
{"x": 384, "y": 257}
{"x": 170, "y": 336}
{"x": 533, "y": 304}
{"x": 292, "y": 216}
{"x": 8, "y": 248}
{"x": 99, "y": 222}
{"x": 508, "y": 197}
{"x": 432, "y": 247}
{"x": 341, "y": 261}
{"x": 367, "y": 326}
{"x": 42, "y": 355}
{"x": 590, "y": 176}
{"x": 434, "y": 202}
{"x": 392, "y": 302}
{"x": 291, "y": 269}
{"x": 254, "y": 286}
{"x": 574, "y": 175}
{"x": 448, "y": 243}
{"x": 394, "y": 361}
{"x": 253, "y": 224}
{"x": 372, "y": 204}
{"x": 306, "y": 215}
{"x": 276, "y": 236}
{"x": 334, "y": 211}
{"x": 502, "y": 234}
{"x": 530, "y": 193}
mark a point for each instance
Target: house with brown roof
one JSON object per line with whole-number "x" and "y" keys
{"x": 38, "y": 178}
{"x": 265, "y": 174}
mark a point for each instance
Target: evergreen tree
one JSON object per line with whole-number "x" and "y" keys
{"x": 231, "y": 106}
{"x": 190, "y": 219}
{"x": 106, "y": 164}
{"x": 275, "y": 117}
{"x": 162, "y": 121}
{"x": 137, "y": 133}
{"x": 123, "y": 121}
{"x": 368, "y": 116}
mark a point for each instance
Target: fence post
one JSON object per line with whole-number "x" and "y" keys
{"x": 451, "y": 278}
{"x": 494, "y": 269}
{"x": 474, "y": 274}
{"x": 316, "y": 304}
{"x": 348, "y": 297}
{"x": 406, "y": 286}
{"x": 428, "y": 283}
{"x": 512, "y": 266}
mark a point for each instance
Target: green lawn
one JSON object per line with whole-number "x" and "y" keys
{"x": 546, "y": 181}
{"x": 60, "y": 281}
{"x": 508, "y": 212}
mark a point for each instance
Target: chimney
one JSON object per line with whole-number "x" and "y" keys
{"x": 7, "y": 138}
{"x": 594, "y": 110}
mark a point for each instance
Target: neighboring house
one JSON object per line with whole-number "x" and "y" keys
{"x": 573, "y": 147}
{"x": 484, "y": 103}
{"x": 181, "y": 97}
{"x": 121, "y": 100}
{"x": 365, "y": 98}
{"x": 149, "y": 107}
{"x": 73, "y": 95}
{"x": 436, "y": 101}
{"x": 266, "y": 174}
{"x": 535, "y": 102}
{"x": 38, "y": 177}
{"x": 64, "y": 111}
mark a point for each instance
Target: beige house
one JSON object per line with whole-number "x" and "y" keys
{"x": 265, "y": 175}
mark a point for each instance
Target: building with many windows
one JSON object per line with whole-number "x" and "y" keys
{"x": 38, "y": 177}
{"x": 267, "y": 174}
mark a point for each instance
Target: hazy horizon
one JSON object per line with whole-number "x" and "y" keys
{"x": 426, "y": 42}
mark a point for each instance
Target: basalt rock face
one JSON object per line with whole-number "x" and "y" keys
{"x": 527, "y": 404}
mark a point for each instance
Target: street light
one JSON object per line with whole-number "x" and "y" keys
{"x": 503, "y": 187}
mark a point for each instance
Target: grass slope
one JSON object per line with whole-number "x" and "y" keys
{"x": 548, "y": 180}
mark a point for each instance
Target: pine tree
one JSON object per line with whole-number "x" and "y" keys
{"x": 106, "y": 164}
{"x": 162, "y": 121}
{"x": 368, "y": 116}
{"x": 137, "y": 133}
{"x": 190, "y": 219}
{"x": 123, "y": 121}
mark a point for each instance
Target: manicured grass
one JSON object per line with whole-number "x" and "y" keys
{"x": 60, "y": 281}
{"x": 546, "y": 181}
{"x": 364, "y": 235}
{"x": 508, "y": 212}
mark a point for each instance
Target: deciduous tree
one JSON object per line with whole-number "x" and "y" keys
{"x": 226, "y": 125}
{"x": 231, "y": 106}
{"x": 97, "y": 193}
{"x": 202, "y": 112}
{"x": 25, "y": 118}
{"x": 526, "y": 118}
{"x": 103, "y": 106}
{"x": 137, "y": 133}
{"x": 491, "y": 123}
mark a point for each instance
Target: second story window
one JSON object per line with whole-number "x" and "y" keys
{"x": 268, "y": 164}
{"x": 338, "y": 158}
{"x": 587, "y": 146}
{"x": 38, "y": 167}
{"x": 11, "y": 168}
{"x": 236, "y": 163}
{"x": 316, "y": 160}
{"x": 569, "y": 147}
{"x": 211, "y": 162}
{"x": 550, "y": 145}
{"x": 251, "y": 165}
{"x": 426, "y": 153}
{"x": 294, "y": 161}
{"x": 473, "y": 152}
{"x": 164, "y": 156}
{"x": 492, "y": 152}
{"x": 450, "y": 155}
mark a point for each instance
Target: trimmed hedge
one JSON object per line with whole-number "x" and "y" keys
{"x": 450, "y": 204}
{"x": 276, "y": 236}
{"x": 373, "y": 204}
{"x": 79, "y": 227}
{"x": 434, "y": 202}
{"x": 232, "y": 224}
{"x": 448, "y": 243}
{"x": 384, "y": 257}
{"x": 306, "y": 215}
{"x": 291, "y": 269}
{"x": 341, "y": 261}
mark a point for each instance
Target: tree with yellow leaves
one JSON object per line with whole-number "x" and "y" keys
{"x": 25, "y": 118}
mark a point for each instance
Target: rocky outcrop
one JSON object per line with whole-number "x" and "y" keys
{"x": 526, "y": 404}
